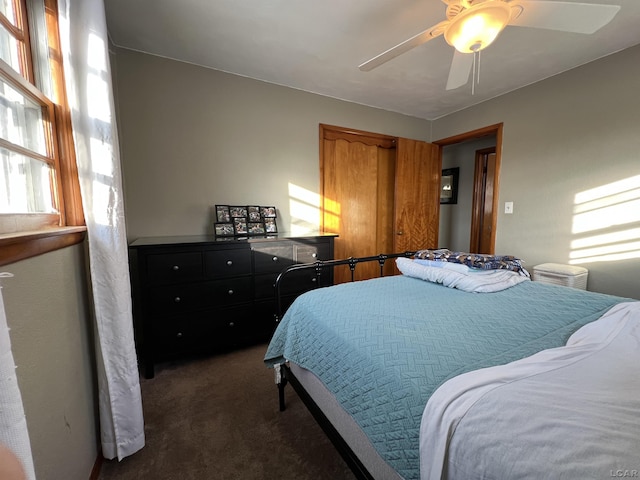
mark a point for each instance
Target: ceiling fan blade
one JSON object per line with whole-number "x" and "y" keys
{"x": 564, "y": 16}
{"x": 460, "y": 69}
{"x": 419, "y": 39}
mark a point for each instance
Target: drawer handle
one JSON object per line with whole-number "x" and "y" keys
{"x": 314, "y": 255}
{"x": 177, "y": 299}
{"x": 275, "y": 259}
{"x": 231, "y": 324}
{"x": 175, "y": 267}
{"x": 179, "y": 335}
{"x": 230, "y": 292}
{"x": 229, "y": 262}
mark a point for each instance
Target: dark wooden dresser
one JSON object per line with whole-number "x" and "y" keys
{"x": 197, "y": 294}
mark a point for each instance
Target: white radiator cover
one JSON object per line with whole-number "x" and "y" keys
{"x": 560, "y": 274}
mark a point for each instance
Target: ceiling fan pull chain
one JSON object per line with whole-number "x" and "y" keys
{"x": 478, "y": 76}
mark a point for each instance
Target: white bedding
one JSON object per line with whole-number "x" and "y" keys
{"x": 566, "y": 413}
{"x": 458, "y": 276}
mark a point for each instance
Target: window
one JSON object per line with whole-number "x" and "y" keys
{"x": 27, "y": 153}
{"x": 39, "y": 191}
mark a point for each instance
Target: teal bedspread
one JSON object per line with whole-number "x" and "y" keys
{"x": 383, "y": 346}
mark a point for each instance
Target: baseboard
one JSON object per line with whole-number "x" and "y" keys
{"x": 97, "y": 466}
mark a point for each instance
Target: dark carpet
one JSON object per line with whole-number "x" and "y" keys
{"x": 218, "y": 418}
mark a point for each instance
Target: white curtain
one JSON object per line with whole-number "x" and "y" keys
{"x": 13, "y": 423}
{"x": 88, "y": 77}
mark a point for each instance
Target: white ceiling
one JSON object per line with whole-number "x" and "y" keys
{"x": 316, "y": 46}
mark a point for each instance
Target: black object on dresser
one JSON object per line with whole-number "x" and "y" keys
{"x": 195, "y": 294}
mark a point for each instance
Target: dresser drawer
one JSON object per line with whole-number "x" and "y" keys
{"x": 312, "y": 253}
{"x": 304, "y": 280}
{"x": 266, "y": 316}
{"x": 230, "y": 291}
{"x": 188, "y": 297}
{"x": 264, "y": 285}
{"x": 269, "y": 257}
{"x": 207, "y": 330}
{"x": 177, "y": 298}
{"x": 182, "y": 334}
{"x": 228, "y": 263}
{"x": 292, "y": 283}
{"x": 174, "y": 267}
{"x": 267, "y": 309}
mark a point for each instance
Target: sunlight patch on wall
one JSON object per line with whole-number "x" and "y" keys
{"x": 304, "y": 206}
{"x": 606, "y": 223}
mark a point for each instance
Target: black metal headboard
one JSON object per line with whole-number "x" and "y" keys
{"x": 320, "y": 265}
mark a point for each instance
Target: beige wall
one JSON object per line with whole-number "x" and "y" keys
{"x": 52, "y": 342}
{"x": 192, "y": 137}
{"x": 569, "y": 134}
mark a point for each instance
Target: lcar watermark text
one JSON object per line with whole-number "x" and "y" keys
{"x": 623, "y": 473}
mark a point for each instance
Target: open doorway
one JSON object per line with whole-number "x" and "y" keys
{"x": 470, "y": 223}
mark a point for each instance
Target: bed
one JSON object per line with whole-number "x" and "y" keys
{"x": 412, "y": 378}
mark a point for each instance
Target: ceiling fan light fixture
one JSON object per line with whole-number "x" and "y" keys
{"x": 476, "y": 28}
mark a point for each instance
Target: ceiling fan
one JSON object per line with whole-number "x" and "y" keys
{"x": 472, "y": 25}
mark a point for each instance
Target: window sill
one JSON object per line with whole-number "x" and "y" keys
{"x": 19, "y": 246}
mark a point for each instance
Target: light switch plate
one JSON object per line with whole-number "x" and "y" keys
{"x": 508, "y": 207}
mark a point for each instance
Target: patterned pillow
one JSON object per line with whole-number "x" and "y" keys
{"x": 474, "y": 260}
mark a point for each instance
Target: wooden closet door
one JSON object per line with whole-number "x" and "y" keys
{"x": 358, "y": 188}
{"x": 417, "y": 195}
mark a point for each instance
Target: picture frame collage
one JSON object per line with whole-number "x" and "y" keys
{"x": 241, "y": 220}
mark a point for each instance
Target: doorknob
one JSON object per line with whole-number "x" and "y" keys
{"x": 400, "y": 233}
